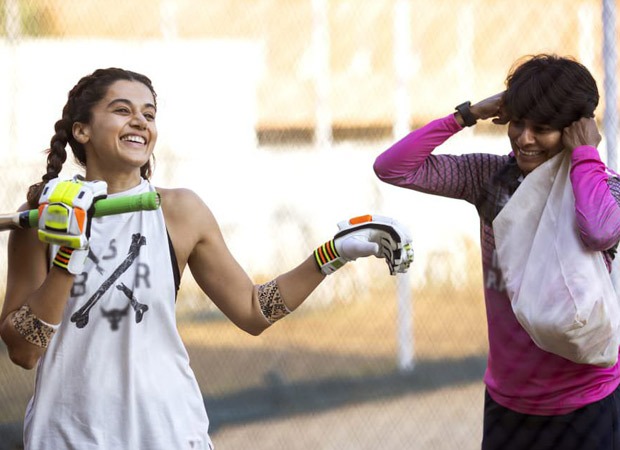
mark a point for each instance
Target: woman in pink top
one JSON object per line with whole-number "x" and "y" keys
{"x": 534, "y": 399}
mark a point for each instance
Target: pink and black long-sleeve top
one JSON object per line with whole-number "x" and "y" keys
{"x": 519, "y": 375}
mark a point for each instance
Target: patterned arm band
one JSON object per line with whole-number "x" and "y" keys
{"x": 271, "y": 304}
{"x": 31, "y": 328}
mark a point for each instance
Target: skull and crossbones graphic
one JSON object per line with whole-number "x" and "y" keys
{"x": 114, "y": 316}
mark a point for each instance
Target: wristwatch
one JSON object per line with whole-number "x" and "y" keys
{"x": 468, "y": 118}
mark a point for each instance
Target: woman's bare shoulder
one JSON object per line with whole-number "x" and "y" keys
{"x": 180, "y": 198}
{"x": 175, "y": 196}
{"x": 184, "y": 208}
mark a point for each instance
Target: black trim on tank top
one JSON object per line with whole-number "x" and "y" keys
{"x": 175, "y": 266}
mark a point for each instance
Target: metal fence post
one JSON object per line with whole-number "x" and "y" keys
{"x": 610, "y": 118}
{"x": 402, "y": 117}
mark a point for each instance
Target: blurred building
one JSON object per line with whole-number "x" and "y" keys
{"x": 344, "y": 63}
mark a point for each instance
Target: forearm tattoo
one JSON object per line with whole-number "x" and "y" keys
{"x": 31, "y": 328}
{"x": 271, "y": 304}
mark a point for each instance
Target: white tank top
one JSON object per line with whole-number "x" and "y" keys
{"x": 116, "y": 374}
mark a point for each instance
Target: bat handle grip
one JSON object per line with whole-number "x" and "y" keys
{"x": 147, "y": 201}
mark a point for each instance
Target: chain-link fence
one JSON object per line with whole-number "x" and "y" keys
{"x": 273, "y": 111}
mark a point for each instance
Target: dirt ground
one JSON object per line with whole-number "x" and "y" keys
{"x": 443, "y": 419}
{"x": 327, "y": 378}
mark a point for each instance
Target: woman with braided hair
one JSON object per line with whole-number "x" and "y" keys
{"x": 91, "y": 303}
{"x": 78, "y": 109}
{"x": 540, "y": 393}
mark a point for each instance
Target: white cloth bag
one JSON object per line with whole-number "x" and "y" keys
{"x": 561, "y": 292}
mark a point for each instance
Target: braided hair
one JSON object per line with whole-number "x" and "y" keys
{"x": 81, "y": 99}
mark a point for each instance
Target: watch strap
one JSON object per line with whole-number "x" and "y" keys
{"x": 468, "y": 118}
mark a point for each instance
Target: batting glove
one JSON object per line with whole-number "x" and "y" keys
{"x": 65, "y": 211}
{"x": 364, "y": 236}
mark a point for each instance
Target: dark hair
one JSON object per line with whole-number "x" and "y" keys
{"x": 550, "y": 90}
{"x": 81, "y": 99}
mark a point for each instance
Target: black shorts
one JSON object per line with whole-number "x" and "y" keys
{"x": 593, "y": 427}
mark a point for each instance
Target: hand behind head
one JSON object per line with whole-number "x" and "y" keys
{"x": 490, "y": 108}
{"x": 582, "y": 132}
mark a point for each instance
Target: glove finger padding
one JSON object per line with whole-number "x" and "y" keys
{"x": 66, "y": 208}
{"x": 356, "y": 245}
{"x": 367, "y": 235}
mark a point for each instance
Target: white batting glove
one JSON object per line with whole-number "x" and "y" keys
{"x": 364, "y": 236}
{"x": 65, "y": 210}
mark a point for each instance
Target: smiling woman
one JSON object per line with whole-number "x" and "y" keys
{"x": 106, "y": 89}
{"x": 543, "y": 97}
{"x": 533, "y": 143}
{"x": 91, "y": 300}
{"x": 123, "y": 123}
{"x": 535, "y": 399}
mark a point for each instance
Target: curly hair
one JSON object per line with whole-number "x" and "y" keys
{"x": 81, "y": 100}
{"x": 551, "y": 90}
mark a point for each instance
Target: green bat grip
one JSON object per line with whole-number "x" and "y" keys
{"x": 141, "y": 202}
